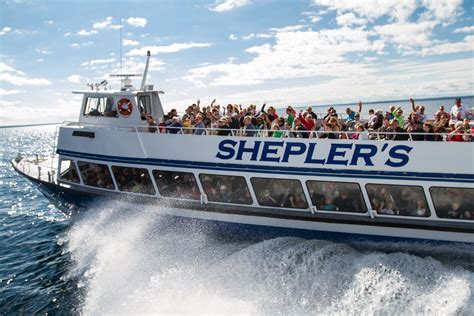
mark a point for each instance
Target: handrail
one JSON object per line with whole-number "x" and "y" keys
{"x": 372, "y": 134}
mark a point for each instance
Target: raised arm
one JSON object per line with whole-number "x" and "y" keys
{"x": 360, "y": 107}
{"x": 213, "y": 101}
{"x": 413, "y": 104}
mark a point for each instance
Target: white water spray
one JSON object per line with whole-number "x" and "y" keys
{"x": 131, "y": 263}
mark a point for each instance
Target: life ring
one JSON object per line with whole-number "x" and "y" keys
{"x": 125, "y": 107}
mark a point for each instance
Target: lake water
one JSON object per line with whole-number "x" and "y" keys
{"x": 116, "y": 259}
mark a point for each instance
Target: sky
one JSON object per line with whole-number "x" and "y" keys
{"x": 282, "y": 52}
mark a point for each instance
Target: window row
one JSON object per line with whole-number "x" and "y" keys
{"x": 457, "y": 203}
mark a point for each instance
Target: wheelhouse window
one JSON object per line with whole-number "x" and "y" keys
{"x": 68, "y": 171}
{"x": 135, "y": 180}
{"x": 96, "y": 175}
{"x": 226, "y": 189}
{"x": 144, "y": 104}
{"x": 100, "y": 106}
{"x": 279, "y": 193}
{"x": 455, "y": 203}
{"x": 176, "y": 184}
{"x": 398, "y": 200}
{"x": 336, "y": 196}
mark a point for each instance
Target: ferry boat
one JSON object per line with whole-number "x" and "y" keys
{"x": 325, "y": 188}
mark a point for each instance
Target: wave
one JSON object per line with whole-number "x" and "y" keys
{"x": 133, "y": 262}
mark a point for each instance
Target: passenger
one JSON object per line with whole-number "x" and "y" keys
{"x": 152, "y": 124}
{"x": 291, "y": 114}
{"x": 416, "y": 131}
{"x": 249, "y": 128}
{"x": 458, "y": 134}
{"x": 224, "y": 129}
{"x": 384, "y": 128}
{"x": 344, "y": 203}
{"x": 199, "y": 128}
{"x": 428, "y": 129}
{"x": 459, "y": 112}
{"x": 310, "y": 112}
{"x": 351, "y": 114}
{"x": 418, "y": 109}
{"x": 396, "y": 132}
{"x": 276, "y": 132}
{"x": 440, "y": 112}
{"x": 398, "y": 115}
{"x": 176, "y": 126}
{"x": 267, "y": 199}
{"x": 300, "y": 130}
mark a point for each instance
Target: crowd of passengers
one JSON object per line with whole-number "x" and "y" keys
{"x": 387, "y": 125}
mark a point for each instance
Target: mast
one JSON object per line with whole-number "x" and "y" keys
{"x": 145, "y": 73}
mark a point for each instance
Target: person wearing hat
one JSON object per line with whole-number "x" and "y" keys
{"x": 459, "y": 112}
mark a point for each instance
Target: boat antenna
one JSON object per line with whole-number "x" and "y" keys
{"x": 120, "y": 30}
{"x": 145, "y": 73}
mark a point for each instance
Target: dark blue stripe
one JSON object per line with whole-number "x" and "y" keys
{"x": 392, "y": 175}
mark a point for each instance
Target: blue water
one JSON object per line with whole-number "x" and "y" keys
{"x": 118, "y": 260}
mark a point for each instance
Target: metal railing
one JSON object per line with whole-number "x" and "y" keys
{"x": 264, "y": 133}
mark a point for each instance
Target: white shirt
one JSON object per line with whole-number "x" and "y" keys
{"x": 462, "y": 110}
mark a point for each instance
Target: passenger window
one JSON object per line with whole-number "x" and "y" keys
{"x": 96, "y": 175}
{"x": 336, "y": 196}
{"x": 225, "y": 189}
{"x": 279, "y": 193}
{"x": 456, "y": 203}
{"x": 100, "y": 106}
{"x": 398, "y": 200}
{"x": 176, "y": 184}
{"x": 68, "y": 171}
{"x": 135, "y": 180}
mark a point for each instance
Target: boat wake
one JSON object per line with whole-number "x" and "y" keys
{"x": 130, "y": 262}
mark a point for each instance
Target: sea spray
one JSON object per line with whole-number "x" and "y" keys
{"x": 132, "y": 262}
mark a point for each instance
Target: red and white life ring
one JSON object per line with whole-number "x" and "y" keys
{"x": 125, "y": 107}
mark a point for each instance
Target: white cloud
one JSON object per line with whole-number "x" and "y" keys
{"x": 40, "y": 60}
{"x": 137, "y": 22}
{"x": 228, "y": 5}
{"x": 75, "y": 78}
{"x": 255, "y": 35}
{"x": 10, "y": 92}
{"x": 49, "y": 22}
{"x": 43, "y": 51}
{"x": 349, "y": 19}
{"x": 128, "y": 42}
{"x": 290, "y": 28}
{"x": 233, "y": 37}
{"x": 97, "y": 62}
{"x": 406, "y": 35}
{"x": 4, "y": 103}
{"x": 467, "y": 45}
{"x": 135, "y": 65}
{"x": 86, "y": 33}
{"x": 372, "y": 9}
{"x": 83, "y": 44}
{"x": 102, "y": 24}
{"x": 5, "y": 30}
{"x": 442, "y": 10}
{"x": 172, "y": 48}
{"x": 466, "y": 29}
{"x": 67, "y": 34}
{"x": 106, "y": 24}
{"x": 296, "y": 54}
{"x": 15, "y": 77}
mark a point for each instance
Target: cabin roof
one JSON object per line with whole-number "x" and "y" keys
{"x": 114, "y": 92}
